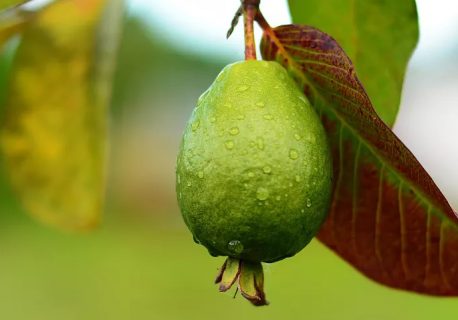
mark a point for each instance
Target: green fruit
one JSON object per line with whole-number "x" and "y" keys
{"x": 254, "y": 171}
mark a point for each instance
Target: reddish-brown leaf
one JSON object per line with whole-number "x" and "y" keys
{"x": 388, "y": 218}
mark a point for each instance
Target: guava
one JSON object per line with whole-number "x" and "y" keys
{"x": 254, "y": 172}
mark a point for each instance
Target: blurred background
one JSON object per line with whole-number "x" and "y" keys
{"x": 142, "y": 263}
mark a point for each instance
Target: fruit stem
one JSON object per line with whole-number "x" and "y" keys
{"x": 259, "y": 18}
{"x": 250, "y": 9}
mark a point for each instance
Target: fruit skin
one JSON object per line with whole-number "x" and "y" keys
{"x": 254, "y": 170}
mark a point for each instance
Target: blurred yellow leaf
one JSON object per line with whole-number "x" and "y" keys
{"x": 54, "y": 137}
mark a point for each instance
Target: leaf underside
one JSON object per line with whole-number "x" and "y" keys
{"x": 54, "y": 133}
{"x": 388, "y": 218}
{"x": 378, "y": 36}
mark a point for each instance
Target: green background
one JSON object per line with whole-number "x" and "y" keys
{"x": 142, "y": 263}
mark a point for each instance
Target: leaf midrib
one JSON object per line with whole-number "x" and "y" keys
{"x": 401, "y": 178}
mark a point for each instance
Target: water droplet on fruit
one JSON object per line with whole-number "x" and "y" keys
{"x": 213, "y": 119}
{"x": 260, "y": 142}
{"x": 309, "y": 203}
{"x": 268, "y": 116}
{"x": 244, "y": 152}
{"x": 240, "y": 117}
{"x": 293, "y": 154}
{"x": 179, "y": 179}
{"x": 278, "y": 198}
{"x": 260, "y": 104}
{"x": 267, "y": 169}
{"x": 305, "y": 163}
{"x": 189, "y": 183}
{"x": 195, "y": 125}
{"x": 290, "y": 184}
{"x": 234, "y": 131}
{"x": 262, "y": 194}
{"x": 302, "y": 210}
{"x": 251, "y": 174}
{"x": 252, "y": 143}
{"x": 302, "y": 99}
{"x": 243, "y": 88}
{"x": 229, "y": 144}
{"x": 201, "y": 174}
{"x": 297, "y": 137}
{"x": 235, "y": 247}
{"x": 311, "y": 138}
{"x": 298, "y": 179}
{"x": 228, "y": 105}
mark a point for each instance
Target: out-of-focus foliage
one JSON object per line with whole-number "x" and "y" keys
{"x": 378, "y": 36}
{"x": 5, "y": 4}
{"x": 10, "y": 25}
{"x": 54, "y": 133}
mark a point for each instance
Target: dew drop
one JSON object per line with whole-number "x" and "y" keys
{"x": 293, "y": 154}
{"x": 213, "y": 119}
{"x": 298, "y": 179}
{"x": 311, "y": 138}
{"x": 195, "y": 125}
{"x": 290, "y": 184}
{"x": 243, "y": 88}
{"x": 260, "y": 104}
{"x": 179, "y": 179}
{"x": 302, "y": 210}
{"x": 260, "y": 143}
{"x": 262, "y": 194}
{"x": 189, "y": 183}
{"x": 252, "y": 143}
{"x": 201, "y": 174}
{"x": 302, "y": 99}
{"x": 240, "y": 117}
{"x": 196, "y": 240}
{"x": 234, "y": 131}
{"x": 251, "y": 174}
{"x": 235, "y": 247}
{"x": 268, "y": 116}
{"x": 229, "y": 144}
{"x": 244, "y": 152}
{"x": 305, "y": 163}
{"x": 297, "y": 137}
{"x": 228, "y": 105}
{"x": 278, "y": 198}
{"x": 267, "y": 169}
{"x": 309, "y": 203}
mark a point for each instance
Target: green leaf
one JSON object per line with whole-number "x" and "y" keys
{"x": 6, "y": 4}
{"x": 54, "y": 137}
{"x": 378, "y": 36}
{"x": 388, "y": 218}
